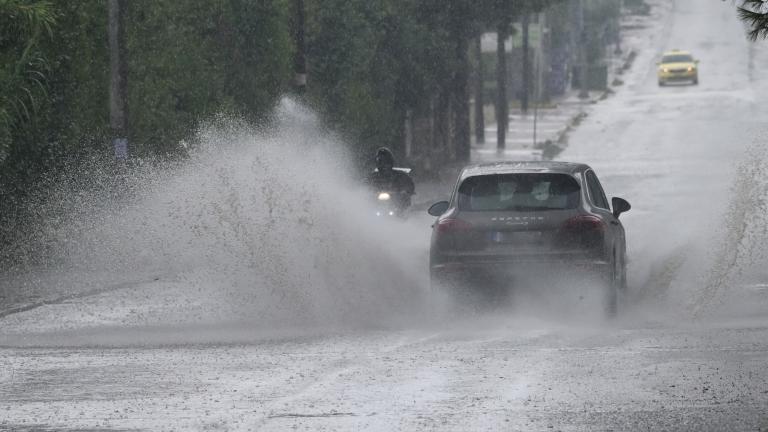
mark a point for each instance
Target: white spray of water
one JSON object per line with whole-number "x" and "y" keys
{"x": 744, "y": 250}
{"x": 269, "y": 227}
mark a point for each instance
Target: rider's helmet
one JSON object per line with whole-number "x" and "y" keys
{"x": 385, "y": 160}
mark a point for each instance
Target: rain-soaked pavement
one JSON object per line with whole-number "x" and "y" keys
{"x": 491, "y": 374}
{"x": 689, "y": 352}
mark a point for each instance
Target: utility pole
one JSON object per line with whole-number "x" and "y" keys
{"x": 479, "y": 96}
{"x": 300, "y": 60}
{"x": 118, "y": 88}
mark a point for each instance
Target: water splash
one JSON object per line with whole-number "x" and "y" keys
{"x": 743, "y": 249}
{"x": 268, "y": 225}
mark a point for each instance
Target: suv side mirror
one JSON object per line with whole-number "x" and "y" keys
{"x": 438, "y": 208}
{"x": 620, "y": 206}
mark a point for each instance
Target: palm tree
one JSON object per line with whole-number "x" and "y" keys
{"x": 755, "y": 14}
{"x": 22, "y": 25}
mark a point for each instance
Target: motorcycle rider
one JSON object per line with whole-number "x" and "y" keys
{"x": 386, "y": 178}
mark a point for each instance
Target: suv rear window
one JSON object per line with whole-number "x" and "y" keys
{"x": 519, "y": 192}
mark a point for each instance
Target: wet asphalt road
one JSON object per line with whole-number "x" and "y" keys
{"x": 490, "y": 374}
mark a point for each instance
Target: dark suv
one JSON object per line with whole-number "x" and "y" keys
{"x": 505, "y": 217}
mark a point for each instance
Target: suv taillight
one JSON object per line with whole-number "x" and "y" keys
{"x": 584, "y": 231}
{"x": 451, "y": 225}
{"x": 584, "y": 223}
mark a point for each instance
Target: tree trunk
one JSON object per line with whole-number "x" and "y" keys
{"x": 479, "y": 96}
{"x": 441, "y": 149}
{"x": 460, "y": 102}
{"x": 502, "y": 107}
{"x": 582, "y": 50}
{"x": 543, "y": 61}
{"x": 118, "y": 88}
{"x": 526, "y": 88}
{"x": 300, "y": 59}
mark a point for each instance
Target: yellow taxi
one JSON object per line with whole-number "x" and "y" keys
{"x": 678, "y": 66}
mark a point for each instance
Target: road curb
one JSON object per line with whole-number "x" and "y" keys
{"x": 61, "y": 299}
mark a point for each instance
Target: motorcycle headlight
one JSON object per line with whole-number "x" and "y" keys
{"x": 384, "y": 196}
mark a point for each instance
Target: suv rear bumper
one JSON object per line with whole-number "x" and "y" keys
{"x": 522, "y": 265}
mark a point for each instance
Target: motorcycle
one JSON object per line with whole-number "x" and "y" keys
{"x": 391, "y": 203}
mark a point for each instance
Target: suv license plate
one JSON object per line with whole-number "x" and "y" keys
{"x": 519, "y": 237}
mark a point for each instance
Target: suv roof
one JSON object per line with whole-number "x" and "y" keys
{"x": 521, "y": 167}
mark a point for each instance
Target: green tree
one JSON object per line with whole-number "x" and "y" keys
{"x": 190, "y": 60}
{"x": 374, "y": 64}
{"x": 501, "y": 15}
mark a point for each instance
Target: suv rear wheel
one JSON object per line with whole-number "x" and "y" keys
{"x": 612, "y": 285}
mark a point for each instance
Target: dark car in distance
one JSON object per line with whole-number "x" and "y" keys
{"x": 505, "y": 217}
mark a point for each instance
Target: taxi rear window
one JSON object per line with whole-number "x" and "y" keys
{"x": 677, "y": 58}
